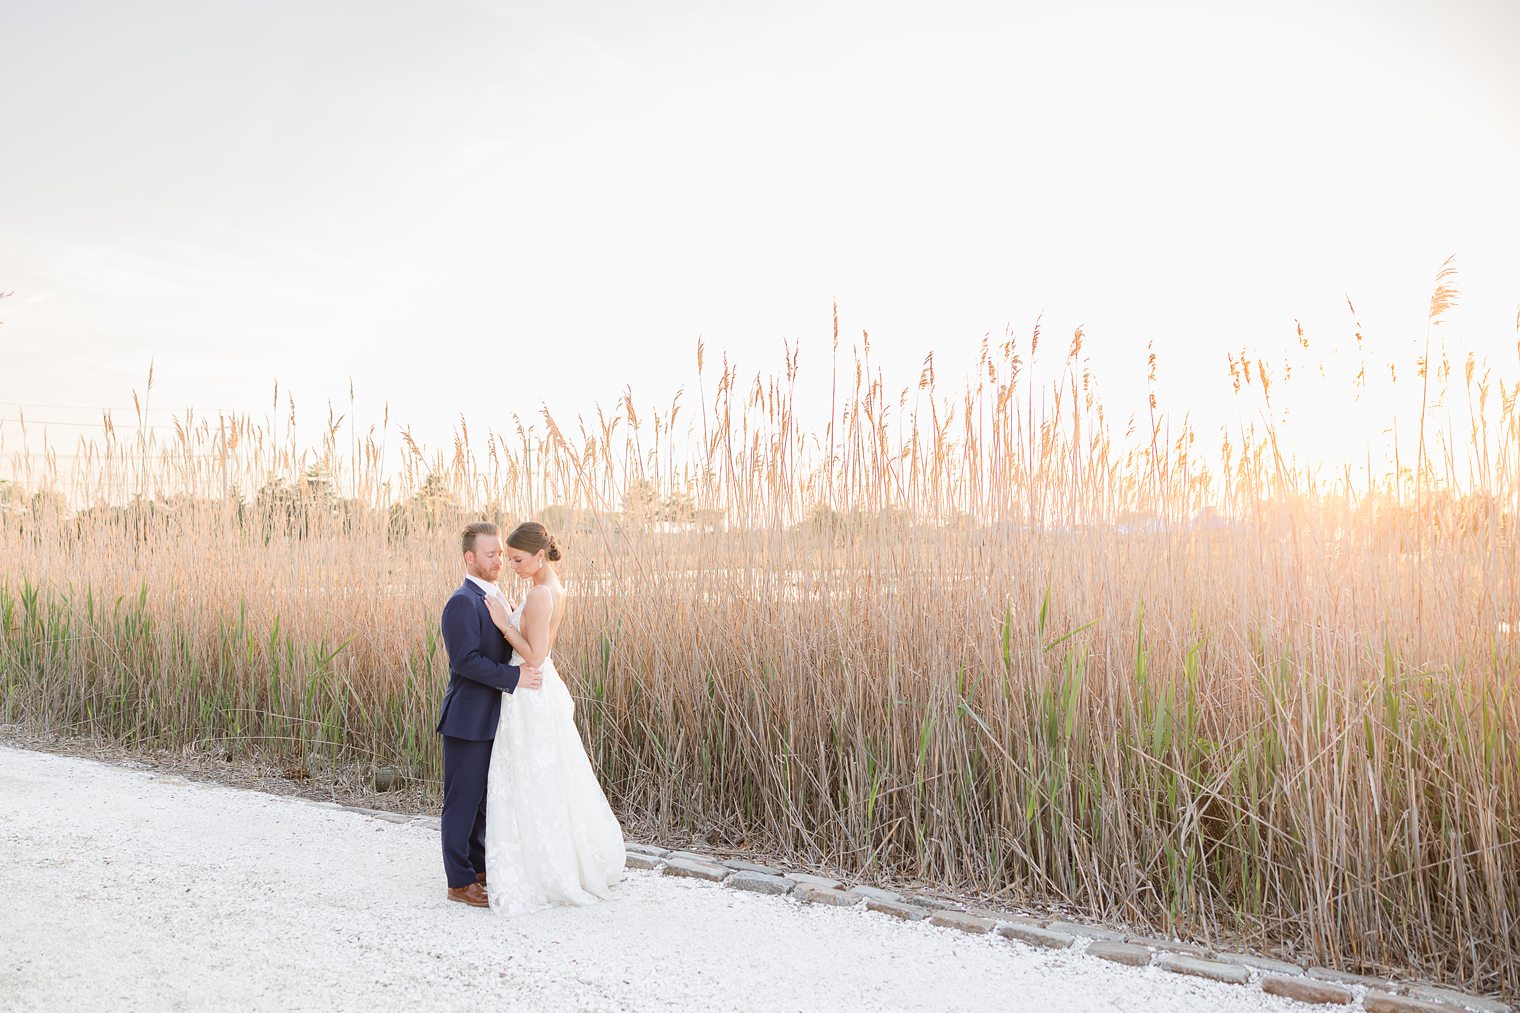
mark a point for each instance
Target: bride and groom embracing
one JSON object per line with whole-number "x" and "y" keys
{"x": 525, "y": 823}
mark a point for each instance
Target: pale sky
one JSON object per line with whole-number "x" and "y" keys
{"x": 478, "y": 206}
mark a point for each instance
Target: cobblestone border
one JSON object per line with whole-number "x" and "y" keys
{"x": 1318, "y": 985}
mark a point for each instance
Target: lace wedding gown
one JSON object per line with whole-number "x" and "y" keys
{"x": 551, "y": 837}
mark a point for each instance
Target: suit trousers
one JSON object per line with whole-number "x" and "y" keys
{"x": 466, "y": 763}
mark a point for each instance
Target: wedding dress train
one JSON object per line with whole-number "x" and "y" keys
{"x": 551, "y": 837}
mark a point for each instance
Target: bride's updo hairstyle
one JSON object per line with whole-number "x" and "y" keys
{"x": 531, "y": 536}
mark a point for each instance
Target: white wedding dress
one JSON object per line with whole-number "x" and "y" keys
{"x": 551, "y": 837}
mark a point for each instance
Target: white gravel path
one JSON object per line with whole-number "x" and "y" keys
{"x": 123, "y": 889}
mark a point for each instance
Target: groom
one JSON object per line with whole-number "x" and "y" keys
{"x": 471, "y": 707}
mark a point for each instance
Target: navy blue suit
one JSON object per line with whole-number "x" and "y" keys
{"x": 478, "y": 676}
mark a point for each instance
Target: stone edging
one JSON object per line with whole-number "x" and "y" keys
{"x": 1320, "y": 985}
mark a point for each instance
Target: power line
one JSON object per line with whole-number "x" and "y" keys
{"x": 104, "y": 408}
{"x": 126, "y": 427}
{"x": 211, "y": 422}
{"x": 130, "y": 457}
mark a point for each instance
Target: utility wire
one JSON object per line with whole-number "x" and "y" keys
{"x": 124, "y": 426}
{"x": 103, "y": 408}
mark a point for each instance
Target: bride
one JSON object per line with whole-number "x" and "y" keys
{"x": 551, "y": 837}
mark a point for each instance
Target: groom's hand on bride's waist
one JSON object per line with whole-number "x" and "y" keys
{"x": 531, "y": 677}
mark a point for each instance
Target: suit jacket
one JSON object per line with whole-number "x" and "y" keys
{"x": 478, "y": 673}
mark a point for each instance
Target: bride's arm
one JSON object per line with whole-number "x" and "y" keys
{"x": 535, "y": 627}
{"x": 503, "y": 620}
{"x": 533, "y": 640}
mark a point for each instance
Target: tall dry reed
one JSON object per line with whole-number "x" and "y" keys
{"x": 972, "y": 637}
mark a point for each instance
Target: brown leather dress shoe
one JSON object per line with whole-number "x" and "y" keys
{"x": 473, "y": 895}
{"x": 480, "y": 878}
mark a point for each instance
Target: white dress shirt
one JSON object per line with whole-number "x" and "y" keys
{"x": 491, "y": 590}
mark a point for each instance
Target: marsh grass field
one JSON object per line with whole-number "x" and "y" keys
{"x": 966, "y": 633}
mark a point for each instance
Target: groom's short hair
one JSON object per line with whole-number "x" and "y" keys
{"x": 471, "y": 531}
